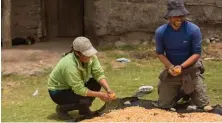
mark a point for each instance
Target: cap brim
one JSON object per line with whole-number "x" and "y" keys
{"x": 176, "y": 12}
{"x": 90, "y": 52}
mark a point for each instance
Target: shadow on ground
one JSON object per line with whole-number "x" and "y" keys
{"x": 55, "y": 117}
{"x": 54, "y": 45}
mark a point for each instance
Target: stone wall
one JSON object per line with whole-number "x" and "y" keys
{"x": 26, "y": 18}
{"x": 135, "y": 21}
{"x": 130, "y": 21}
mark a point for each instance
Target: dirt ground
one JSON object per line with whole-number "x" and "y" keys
{"x": 34, "y": 59}
{"x": 213, "y": 52}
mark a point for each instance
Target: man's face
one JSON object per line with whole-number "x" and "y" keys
{"x": 176, "y": 21}
{"x": 83, "y": 58}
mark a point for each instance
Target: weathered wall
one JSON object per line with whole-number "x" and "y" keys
{"x": 108, "y": 21}
{"x": 89, "y": 17}
{"x": 26, "y": 18}
{"x": 135, "y": 21}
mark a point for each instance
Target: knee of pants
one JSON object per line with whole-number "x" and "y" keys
{"x": 85, "y": 102}
{"x": 97, "y": 87}
{"x": 93, "y": 85}
{"x": 167, "y": 95}
{"x": 166, "y": 103}
{"x": 166, "y": 100}
{"x": 199, "y": 96}
{"x": 200, "y": 99}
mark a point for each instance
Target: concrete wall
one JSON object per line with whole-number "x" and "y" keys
{"x": 135, "y": 21}
{"x": 26, "y": 18}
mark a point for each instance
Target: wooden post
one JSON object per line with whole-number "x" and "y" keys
{"x": 6, "y": 32}
{"x": 43, "y": 17}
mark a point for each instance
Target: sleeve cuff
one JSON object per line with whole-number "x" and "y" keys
{"x": 158, "y": 52}
{"x": 81, "y": 92}
{"x": 101, "y": 77}
{"x": 85, "y": 94}
{"x": 197, "y": 52}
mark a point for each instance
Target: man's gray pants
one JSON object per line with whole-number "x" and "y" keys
{"x": 168, "y": 89}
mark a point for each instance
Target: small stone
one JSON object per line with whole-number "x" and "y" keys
{"x": 127, "y": 103}
{"x": 207, "y": 40}
{"x": 36, "y": 92}
{"x": 173, "y": 109}
{"x": 208, "y": 58}
{"x": 208, "y": 108}
{"x": 212, "y": 39}
{"x": 191, "y": 107}
{"x": 120, "y": 44}
{"x": 217, "y": 40}
{"x": 213, "y": 42}
{"x": 145, "y": 43}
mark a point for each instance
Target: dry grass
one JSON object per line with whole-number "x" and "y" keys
{"x": 138, "y": 114}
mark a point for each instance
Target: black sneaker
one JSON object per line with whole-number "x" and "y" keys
{"x": 62, "y": 114}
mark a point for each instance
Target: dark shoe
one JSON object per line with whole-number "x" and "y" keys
{"x": 63, "y": 114}
{"x": 87, "y": 113}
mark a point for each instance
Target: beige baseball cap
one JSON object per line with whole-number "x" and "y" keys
{"x": 83, "y": 45}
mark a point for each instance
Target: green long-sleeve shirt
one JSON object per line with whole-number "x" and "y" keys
{"x": 70, "y": 74}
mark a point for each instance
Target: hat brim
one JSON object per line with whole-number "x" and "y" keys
{"x": 176, "y": 12}
{"x": 90, "y": 52}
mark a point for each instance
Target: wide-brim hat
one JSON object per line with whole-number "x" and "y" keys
{"x": 176, "y": 8}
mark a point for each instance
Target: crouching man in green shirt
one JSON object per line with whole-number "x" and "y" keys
{"x": 77, "y": 79}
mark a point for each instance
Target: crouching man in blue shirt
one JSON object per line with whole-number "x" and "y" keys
{"x": 178, "y": 46}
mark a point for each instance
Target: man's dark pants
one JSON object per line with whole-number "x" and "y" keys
{"x": 81, "y": 103}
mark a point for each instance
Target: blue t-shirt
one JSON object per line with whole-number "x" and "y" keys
{"x": 178, "y": 45}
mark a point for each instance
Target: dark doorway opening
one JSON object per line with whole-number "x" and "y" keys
{"x": 64, "y": 18}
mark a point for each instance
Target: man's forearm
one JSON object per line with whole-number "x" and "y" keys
{"x": 93, "y": 93}
{"x": 104, "y": 84}
{"x": 164, "y": 60}
{"x": 190, "y": 61}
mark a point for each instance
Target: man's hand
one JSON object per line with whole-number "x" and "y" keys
{"x": 170, "y": 70}
{"x": 175, "y": 71}
{"x": 109, "y": 91}
{"x": 104, "y": 97}
{"x": 111, "y": 94}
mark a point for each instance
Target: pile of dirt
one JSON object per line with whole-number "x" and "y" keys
{"x": 139, "y": 114}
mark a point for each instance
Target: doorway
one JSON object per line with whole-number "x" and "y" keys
{"x": 64, "y": 18}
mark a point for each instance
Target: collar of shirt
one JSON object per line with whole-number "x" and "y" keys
{"x": 79, "y": 64}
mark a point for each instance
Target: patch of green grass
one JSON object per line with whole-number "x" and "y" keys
{"x": 127, "y": 80}
{"x": 18, "y": 104}
{"x": 213, "y": 81}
